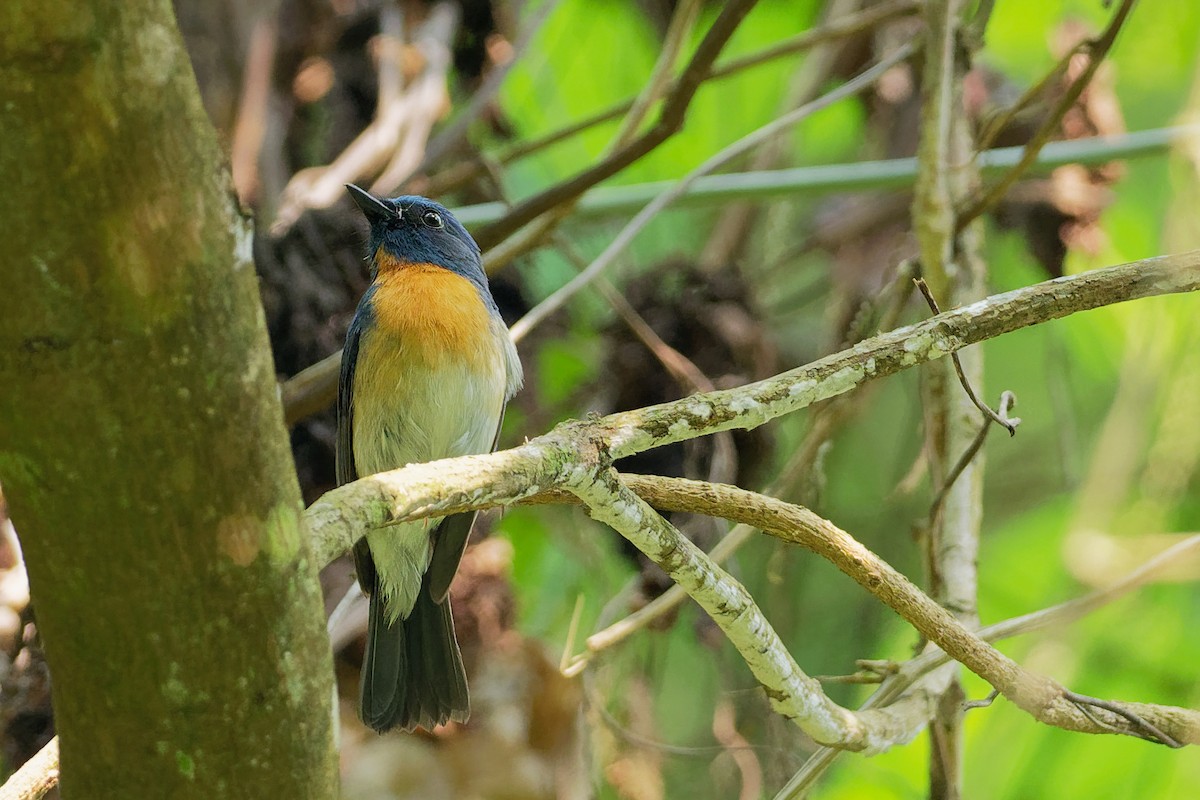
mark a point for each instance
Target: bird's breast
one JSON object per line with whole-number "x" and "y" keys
{"x": 431, "y": 379}
{"x": 438, "y": 315}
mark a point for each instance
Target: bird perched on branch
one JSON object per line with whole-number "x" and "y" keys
{"x": 426, "y": 372}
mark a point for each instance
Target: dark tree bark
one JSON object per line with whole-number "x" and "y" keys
{"x": 142, "y": 446}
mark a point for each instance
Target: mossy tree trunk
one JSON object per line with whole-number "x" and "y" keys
{"x": 142, "y": 446}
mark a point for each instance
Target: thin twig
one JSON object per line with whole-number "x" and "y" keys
{"x": 669, "y": 122}
{"x": 854, "y": 679}
{"x": 984, "y": 703}
{"x": 1007, "y": 401}
{"x": 559, "y": 298}
{"x": 732, "y": 228}
{"x": 450, "y": 136}
{"x": 1152, "y": 732}
{"x": 994, "y": 126}
{"x": 836, "y": 29}
{"x": 541, "y": 227}
{"x": 572, "y": 631}
{"x": 36, "y": 778}
{"x": 660, "y": 84}
{"x": 1097, "y": 49}
{"x": 1009, "y": 425}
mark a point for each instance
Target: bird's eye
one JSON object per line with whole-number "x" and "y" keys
{"x": 432, "y": 219}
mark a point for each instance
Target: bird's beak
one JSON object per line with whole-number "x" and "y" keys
{"x": 374, "y": 209}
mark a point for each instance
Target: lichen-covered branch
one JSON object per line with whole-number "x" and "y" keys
{"x": 756, "y": 403}
{"x": 577, "y": 455}
{"x": 338, "y": 518}
{"x": 36, "y": 777}
{"x": 793, "y": 694}
{"x": 1039, "y": 696}
{"x": 950, "y": 263}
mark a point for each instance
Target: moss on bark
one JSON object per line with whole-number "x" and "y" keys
{"x": 142, "y": 446}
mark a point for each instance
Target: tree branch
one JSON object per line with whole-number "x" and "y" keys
{"x": 342, "y": 515}
{"x": 793, "y": 694}
{"x": 670, "y": 120}
{"x": 840, "y": 28}
{"x": 576, "y": 456}
{"x": 1041, "y": 697}
{"x": 313, "y": 389}
{"x": 622, "y": 240}
{"x": 1096, "y": 49}
{"x": 36, "y": 777}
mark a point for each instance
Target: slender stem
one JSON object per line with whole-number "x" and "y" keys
{"x": 1097, "y": 50}
{"x": 456, "y": 131}
{"x": 36, "y": 777}
{"x": 559, "y": 298}
{"x": 314, "y": 388}
{"x": 670, "y": 120}
{"x": 606, "y": 201}
{"x": 836, "y": 29}
{"x": 999, "y": 418}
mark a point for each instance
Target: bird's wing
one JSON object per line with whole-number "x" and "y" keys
{"x": 450, "y": 542}
{"x": 345, "y": 470}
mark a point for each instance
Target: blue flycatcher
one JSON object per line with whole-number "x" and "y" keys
{"x": 426, "y": 372}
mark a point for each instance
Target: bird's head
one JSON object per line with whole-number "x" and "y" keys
{"x": 416, "y": 230}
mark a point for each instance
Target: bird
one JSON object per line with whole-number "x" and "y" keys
{"x": 427, "y": 370}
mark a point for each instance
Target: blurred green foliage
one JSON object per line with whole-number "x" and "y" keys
{"x": 1106, "y": 457}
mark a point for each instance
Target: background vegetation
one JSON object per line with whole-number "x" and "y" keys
{"x": 1102, "y": 474}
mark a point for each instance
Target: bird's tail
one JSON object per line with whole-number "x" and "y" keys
{"x": 413, "y": 671}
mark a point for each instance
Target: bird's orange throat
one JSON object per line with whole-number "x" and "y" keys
{"x": 436, "y": 314}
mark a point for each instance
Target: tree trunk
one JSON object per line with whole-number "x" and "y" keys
{"x": 142, "y": 446}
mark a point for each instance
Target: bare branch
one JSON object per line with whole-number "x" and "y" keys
{"x": 670, "y": 120}
{"x": 36, "y": 778}
{"x": 1007, "y": 401}
{"x": 1096, "y": 49}
{"x": 658, "y": 84}
{"x": 314, "y": 388}
{"x": 792, "y": 693}
{"x": 622, "y": 240}
{"x": 341, "y": 516}
{"x": 840, "y": 28}
{"x": 1003, "y": 421}
{"x": 1040, "y": 697}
